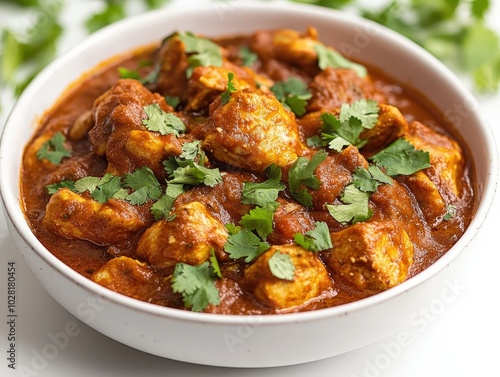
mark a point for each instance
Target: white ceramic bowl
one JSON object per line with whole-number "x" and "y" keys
{"x": 244, "y": 341}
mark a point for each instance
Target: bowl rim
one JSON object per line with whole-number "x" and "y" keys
{"x": 15, "y": 213}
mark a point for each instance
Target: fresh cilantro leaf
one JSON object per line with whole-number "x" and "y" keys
{"x": 162, "y": 207}
{"x": 479, "y": 8}
{"x": 243, "y": 243}
{"x": 339, "y": 132}
{"x": 262, "y": 193}
{"x": 54, "y": 187}
{"x": 204, "y": 51}
{"x": 162, "y": 122}
{"x": 113, "y": 11}
{"x": 355, "y": 208}
{"x": 144, "y": 184}
{"x": 54, "y": 149}
{"x": 293, "y": 94}
{"x": 108, "y": 186}
{"x": 247, "y": 56}
{"x": 281, "y": 266}
{"x": 480, "y": 45}
{"x": 302, "y": 174}
{"x": 367, "y": 180}
{"x": 316, "y": 240}
{"x": 260, "y": 219}
{"x": 328, "y": 58}
{"x": 226, "y": 96}
{"x": 126, "y": 73}
{"x": 86, "y": 184}
{"x": 214, "y": 263}
{"x": 196, "y": 284}
{"x": 401, "y": 158}
{"x": 173, "y": 101}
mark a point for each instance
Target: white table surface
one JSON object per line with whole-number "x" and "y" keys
{"x": 458, "y": 338}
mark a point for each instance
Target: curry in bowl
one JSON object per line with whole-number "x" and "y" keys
{"x": 246, "y": 174}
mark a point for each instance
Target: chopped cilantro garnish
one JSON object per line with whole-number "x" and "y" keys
{"x": 355, "y": 208}
{"x": 262, "y": 193}
{"x": 247, "y": 56}
{"x": 162, "y": 122}
{"x": 367, "y": 180}
{"x": 54, "y": 187}
{"x": 400, "y": 157}
{"x": 302, "y": 174}
{"x": 144, "y": 184}
{"x": 328, "y": 58}
{"x": 337, "y": 133}
{"x": 54, "y": 149}
{"x": 101, "y": 189}
{"x": 161, "y": 209}
{"x": 243, "y": 243}
{"x": 185, "y": 170}
{"x": 226, "y": 96}
{"x": 281, "y": 266}
{"x": 126, "y": 73}
{"x": 293, "y": 94}
{"x": 214, "y": 263}
{"x": 260, "y": 220}
{"x": 196, "y": 284}
{"x": 172, "y": 101}
{"x": 315, "y": 240}
{"x": 204, "y": 51}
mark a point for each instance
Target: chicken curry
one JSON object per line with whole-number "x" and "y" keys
{"x": 251, "y": 174}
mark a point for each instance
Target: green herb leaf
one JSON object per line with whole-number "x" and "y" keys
{"x": 107, "y": 187}
{"x": 451, "y": 212}
{"x": 243, "y": 243}
{"x": 338, "y": 133}
{"x": 126, "y": 73}
{"x": 328, "y": 58}
{"x": 367, "y": 180}
{"x": 260, "y": 219}
{"x": 204, "y": 51}
{"x": 401, "y": 158}
{"x": 247, "y": 56}
{"x": 114, "y": 11}
{"x": 355, "y": 209}
{"x": 226, "y": 96}
{"x": 316, "y": 240}
{"x": 293, "y": 94}
{"x": 161, "y": 209}
{"x": 281, "y": 266}
{"x": 54, "y": 149}
{"x": 144, "y": 184}
{"x": 302, "y": 174}
{"x": 54, "y": 187}
{"x": 214, "y": 263}
{"x": 162, "y": 122}
{"x": 173, "y": 101}
{"x": 196, "y": 284}
{"x": 262, "y": 193}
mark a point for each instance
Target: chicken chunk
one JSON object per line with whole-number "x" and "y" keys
{"x": 446, "y": 158}
{"x": 71, "y": 215}
{"x": 391, "y": 125}
{"x": 207, "y": 83}
{"x": 252, "y": 131}
{"x": 334, "y": 173}
{"x": 146, "y": 148}
{"x": 187, "y": 238}
{"x": 428, "y": 197}
{"x": 310, "y": 280}
{"x": 117, "y": 113}
{"x": 371, "y": 255}
{"x": 128, "y": 276}
{"x": 334, "y": 86}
